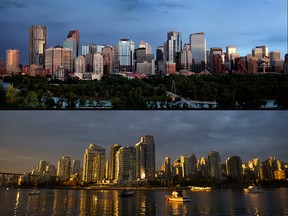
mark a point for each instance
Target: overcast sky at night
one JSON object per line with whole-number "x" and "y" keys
{"x": 242, "y": 23}
{"x": 29, "y": 136}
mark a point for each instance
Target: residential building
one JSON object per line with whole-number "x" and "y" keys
{"x": 214, "y": 166}
{"x": 12, "y": 61}
{"x": 145, "y": 158}
{"x": 125, "y": 164}
{"x": 63, "y": 168}
{"x": 111, "y": 162}
{"x": 234, "y": 167}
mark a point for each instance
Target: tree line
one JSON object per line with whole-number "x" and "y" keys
{"x": 229, "y": 91}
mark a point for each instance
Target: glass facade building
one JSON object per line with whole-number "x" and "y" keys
{"x": 198, "y": 50}
{"x": 37, "y": 45}
{"x": 125, "y": 54}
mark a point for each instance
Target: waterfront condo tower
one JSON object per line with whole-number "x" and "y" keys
{"x": 38, "y": 42}
{"x": 145, "y": 158}
{"x": 93, "y": 164}
{"x": 214, "y": 165}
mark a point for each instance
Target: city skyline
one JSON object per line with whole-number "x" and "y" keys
{"x": 30, "y": 136}
{"x": 245, "y": 25}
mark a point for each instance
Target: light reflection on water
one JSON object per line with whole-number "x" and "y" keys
{"x": 145, "y": 202}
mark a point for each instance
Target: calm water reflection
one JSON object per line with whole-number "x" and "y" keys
{"x": 144, "y": 202}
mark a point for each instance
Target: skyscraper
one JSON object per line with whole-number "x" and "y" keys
{"x": 160, "y": 64}
{"x": 125, "y": 164}
{"x": 166, "y": 167}
{"x": 145, "y": 158}
{"x": 12, "y": 61}
{"x": 74, "y": 35}
{"x": 111, "y": 162}
{"x": 126, "y": 54}
{"x": 214, "y": 165}
{"x": 198, "y": 50}
{"x": 203, "y": 166}
{"x": 93, "y": 164}
{"x": 108, "y": 59}
{"x": 147, "y": 46}
{"x": 234, "y": 167}
{"x": 173, "y": 48}
{"x": 38, "y": 42}
{"x": 63, "y": 168}
{"x": 186, "y": 58}
{"x": 230, "y": 50}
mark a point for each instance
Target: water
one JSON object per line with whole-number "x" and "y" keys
{"x": 144, "y": 202}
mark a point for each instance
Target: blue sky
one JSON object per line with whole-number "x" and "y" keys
{"x": 241, "y": 23}
{"x": 29, "y": 136}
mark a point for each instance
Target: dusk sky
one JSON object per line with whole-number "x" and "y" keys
{"x": 29, "y": 136}
{"x": 241, "y": 23}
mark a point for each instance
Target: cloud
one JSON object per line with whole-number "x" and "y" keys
{"x": 6, "y": 4}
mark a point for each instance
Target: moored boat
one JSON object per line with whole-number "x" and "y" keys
{"x": 253, "y": 189}
{"x": 177, "y": 196}
{"x": 34, "y": 192}
{"x": 126, "y": 193}
{"x": 196, "y": 188}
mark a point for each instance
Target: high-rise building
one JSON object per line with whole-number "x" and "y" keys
{"x": 89, "y": 49}
{"x": 216, "y": 60}
{"x": 70, "y": 43}
{"x": 203, "y": 166}
{"x": 214, "y": 165}
{"x": 125, "y": 164}
{"x": 12, "y": 61}
{"x": 184, "y": 164}
{"x": 264, "y": 50}
{"x": 111, "y": 162}
{"x": 145, "y": 158}
{"x": 74, "y": 35}
{"x": 93, "y": 164}
{"x": 108, "y": 59}
{"x": 75, "y": 168}
{"x": 59, "y": 61}
{"x": 126, "y": 55}
{"x": 160, "y": 63}
{"x": 186, "y": 58}
{"x": 198, "y": 50}
{"x": 234, "y": 167}
{"x": 192, "y": 164}
{"x": 173, "y": 48}
{"x": 147, "y": 46}
{"x": 63, "y": 168}
{"x": 229, "y": 51}
{"x": 42, "y": 166}
{"x": 166, "y": 167}
{"x": 38, "y": 42}
{"x": 80, "y": 65}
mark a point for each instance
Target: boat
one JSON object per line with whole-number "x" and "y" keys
{"x": 177, "y": 196}
{"x": 126, "y": 193}
{"x": 196, "y": 188}
{"x": 34, "y": 192}
{"x": 253, "y": 189}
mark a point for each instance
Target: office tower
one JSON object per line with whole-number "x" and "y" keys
{"x": 111, "y": 162}
{"x": 145, "y": 158}
{"x": 160, "y": 63}
{"x": 166, "y": 167}
{"x": 216, "y": 60}
{"x": 144, "y": 62}
{"x": 63, "y": 168}
{"x": 203, "y": 166}
{"x": 198, "y": 50}
{"x": 99, "y": 48}
{"x": 126, "y": 54}
{"x": 42, "y": 166}
{"x": 75, "y": 168}
{"x": 125, "y": 164}
{"x": 74, "y": 35}
{"x": 214, "y": 165}
{"x": 98, "y": 64}
{"x": 234, "y": 167}
{"x": 184, "y": 166}
{"x": 264, "y": 50}
{"x": 59, "y": 61}
{"x": 274, "y": 55}
{"x": 93, "y": 164}
{"x": 89, "y": 49}
{"x": 12, "y": 61}
{"x": 147, "y": 46}
{"x": 186, "y": 58}
{"x": 70, "y": 43}
{"x": 230, "y": 50}
{"x": 108, "y": 59}
{"x": 173, "y": 48}
{"x": 37, "y": 45}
